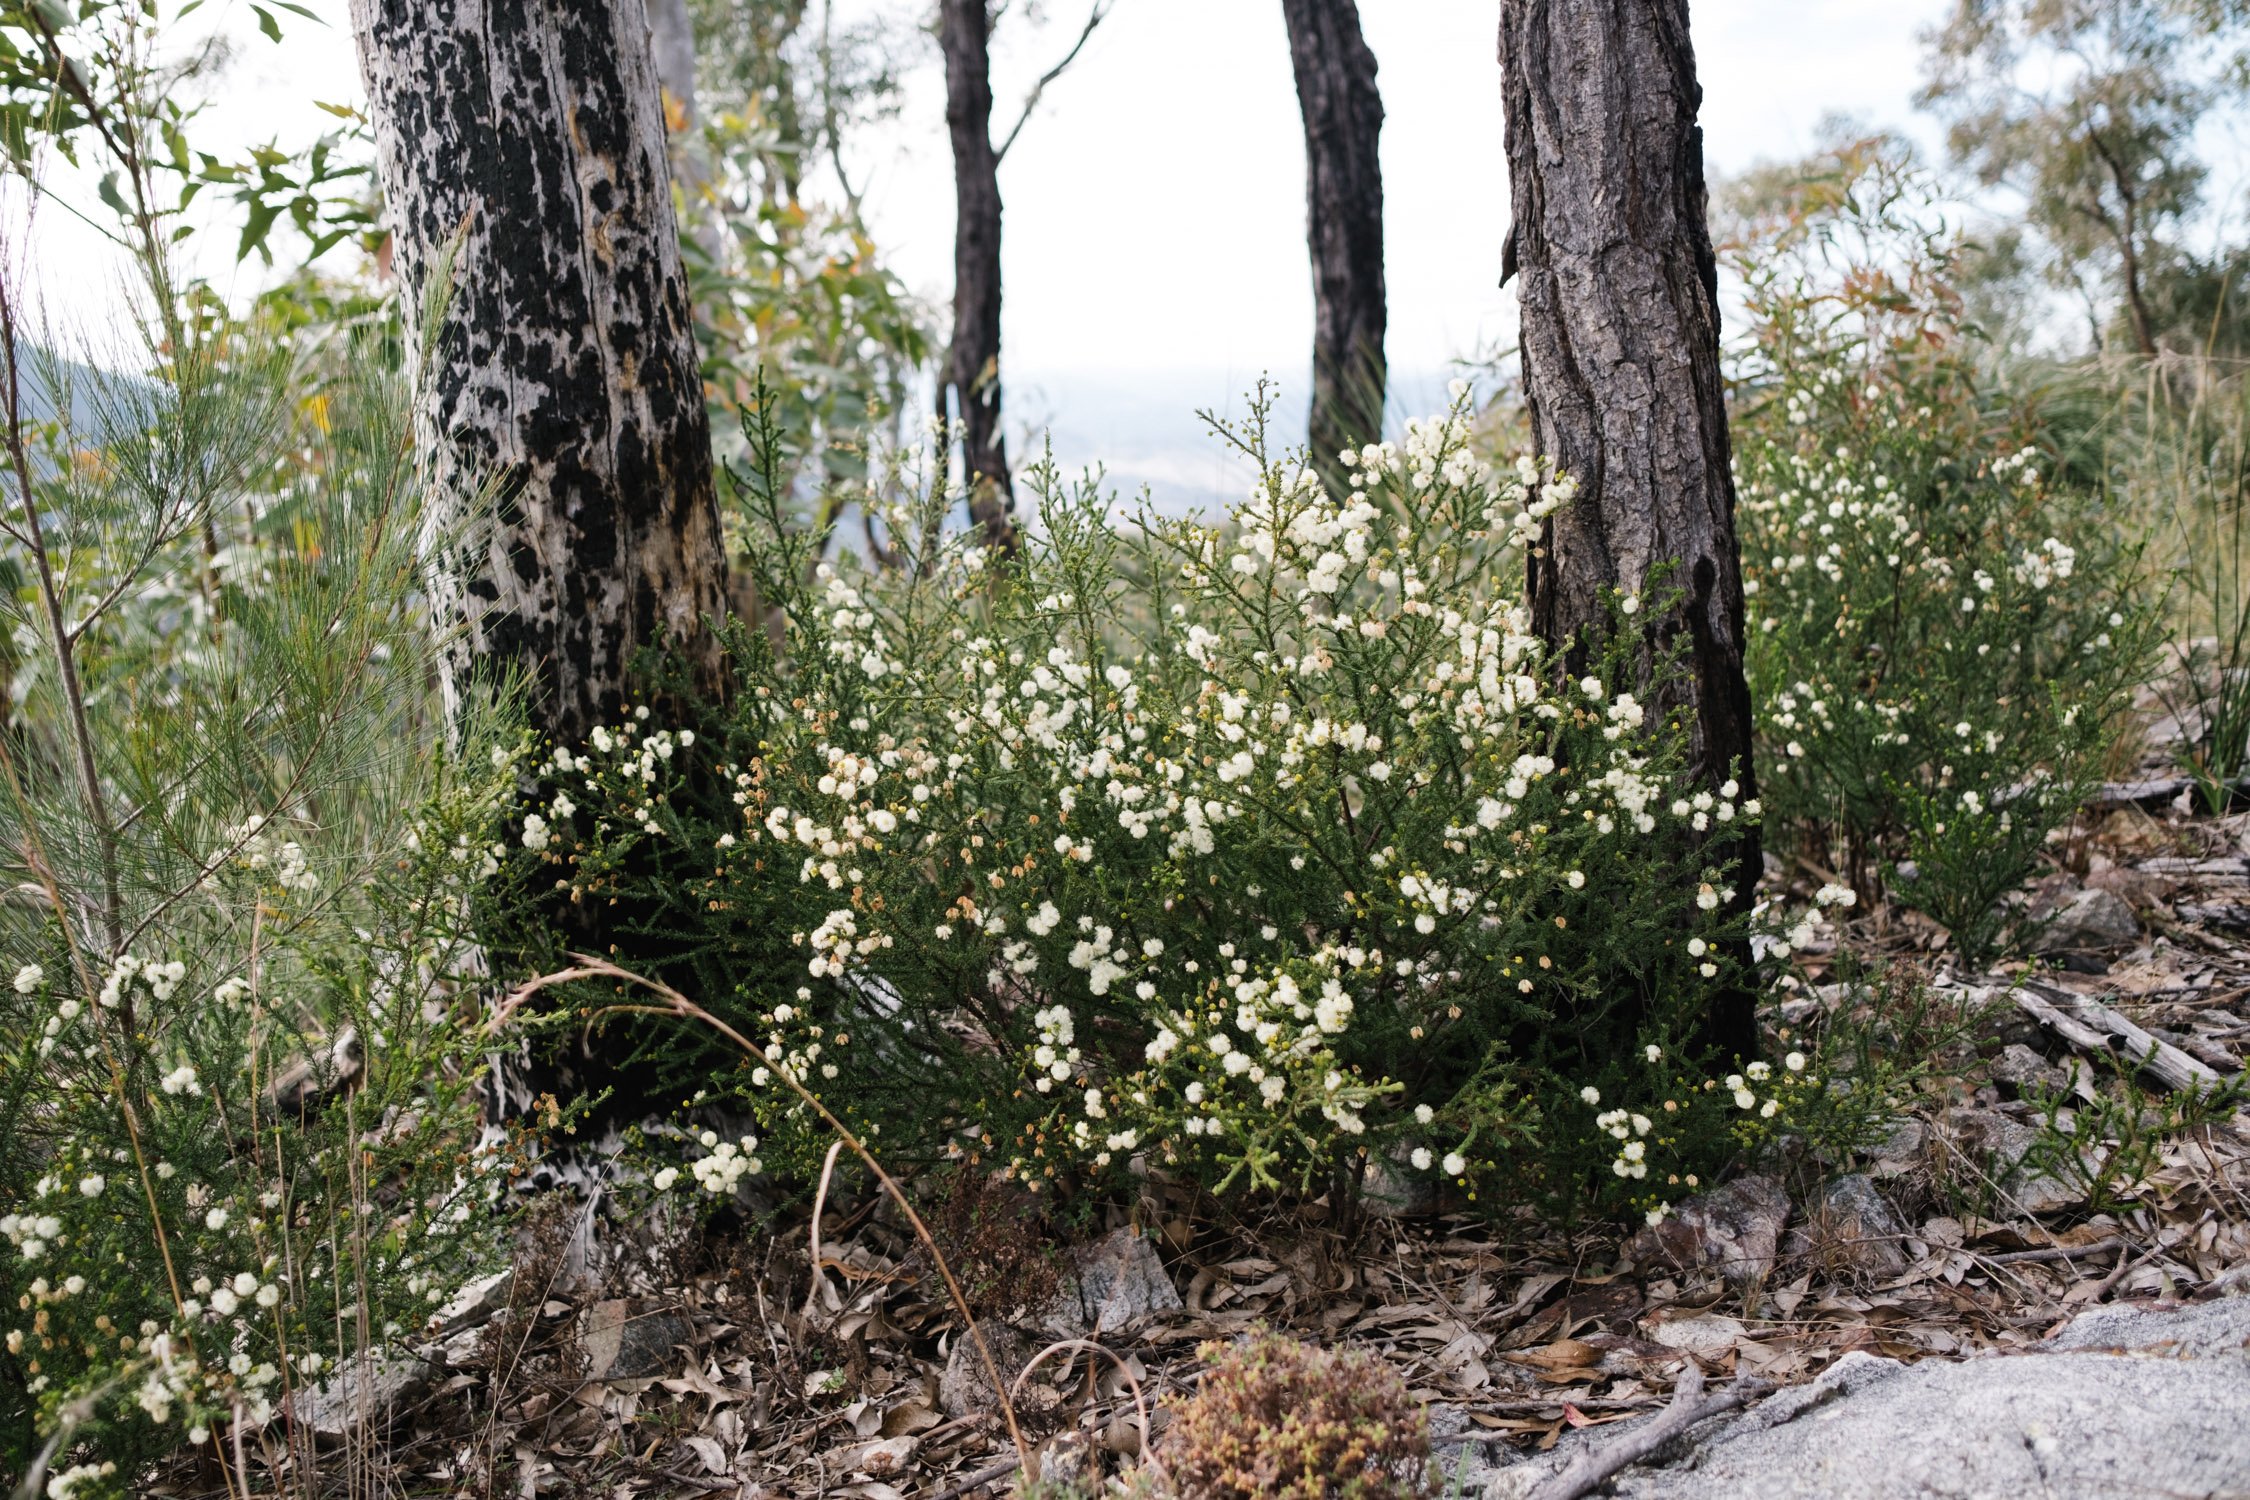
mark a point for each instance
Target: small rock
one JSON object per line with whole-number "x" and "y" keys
{"x": 1459, "y": 1461}
{"x": 1852, "y": 1228}
{"x": 1999, "y": 1145}
{"x": 1113, "y": 1283}
{"x": 965, "y": 1388}
{"x": 622, "y": 1344}
{"x": 362, "y": 1396}
{"x": 2201, "y": 1330}
{"x": 476, "y": 1303}
{"x": 2141, "y": 889}
{"x": 1708, "y": 1335}
{"x": 1393, "y": 1190}
{"x": 1900, "y": 1152}
{"x": 2026, "y": 1072}
{"x": 1066, "y": 1459}
{"x": 2095, "y": 918}
{"x": 885, "y": 1459}
{"x": 1735, "y": 1229}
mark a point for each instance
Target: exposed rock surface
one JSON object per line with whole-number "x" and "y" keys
{"x": 965, "y": 1389}
{"x": 2000, "y": 1145}
{"x": 628, "y": 1343}
{"x": 363, "y": 1395}
{"x": 1734, "y": 1230}
{"x": 2092, "y": 919}
{"x": 1851, "y": 1228}
{"x": 2122, "y": 1402}
{"x": 1113, "y": 1284}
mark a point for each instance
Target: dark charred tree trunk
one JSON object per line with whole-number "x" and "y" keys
{"x": 563, "y": 378}
{"x": 1344, "y": 224}
{"x": 1619, "y": 293}
{"x": 973, "y": 368}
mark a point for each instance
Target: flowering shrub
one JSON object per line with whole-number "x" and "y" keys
{"x": 1243, "y": 849}
{"x": 238, "y": 1143}
{"x": 1943, "y": 641}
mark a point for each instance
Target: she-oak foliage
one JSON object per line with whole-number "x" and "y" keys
{"x": 239, "y": 1142}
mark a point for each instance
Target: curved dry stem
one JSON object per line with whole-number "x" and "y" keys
{"x": 819, "y": 1202}
{"x": 588, "y": 966}
{"x": 1132, "y": 1382}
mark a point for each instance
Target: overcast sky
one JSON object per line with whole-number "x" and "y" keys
{"x": 1155, "y": 254}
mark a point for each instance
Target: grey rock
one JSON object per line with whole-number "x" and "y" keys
{"x": 965, "y": 1388}
{"x": 2026, "y": 1072}
{"x": 624, "y": 1344}
{"x": 2199, "y": 1330}
{"x": 363, "y": 1396}
{"x": 1999, "y": 1146}
{"x": 1734, "y": 1230}
{"x": 2094, "y": 918}
{"x": 1113, "y": 1283}
{"x": 1851, "y": 1229}
{"x": 475, "y": 1303}
{"x": 1392, "y": 1189}
{"x": 1906, "y": 1148}
{"x": 1457, "y": 1456}
{"x": 2124, "y": 1402}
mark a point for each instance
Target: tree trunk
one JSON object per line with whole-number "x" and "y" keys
{"x": 671, "y": 33}
{"x": 1619, "y": 294}
{"x": 563, "y": 378}
{"x": 1343, "y": 116}
{"x": 973, "y": 368}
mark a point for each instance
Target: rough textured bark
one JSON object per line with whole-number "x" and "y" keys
{"x": 973, "y": 368}
{"x": 1619, "y": 294}
{"x": 1343, "y": 116}
{"x": 563, "y": 378}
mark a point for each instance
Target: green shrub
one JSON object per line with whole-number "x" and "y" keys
{"x": 1943, "y": 641}
{"x": 1244, "y": 850}
{"x": 238, "y": 1142}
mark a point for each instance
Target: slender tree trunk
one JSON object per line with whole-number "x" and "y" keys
{"x": 671, "y": 32}
{"x": 973, "y": 368}
{"x": 1619, "y": 294}
{"x": 563, "y": 377}
{"x": 1343, "y": 116}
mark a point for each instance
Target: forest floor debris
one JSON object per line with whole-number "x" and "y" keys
{"x": 1955, "y": 1278}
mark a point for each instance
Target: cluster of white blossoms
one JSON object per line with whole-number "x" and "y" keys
{"x": 1630, "y": 1129}
{"x": 282, "y": 861}
{"x": 633, "y": 757}
{"x": 720, "y": 1169}
{"x": 160, "y": 978}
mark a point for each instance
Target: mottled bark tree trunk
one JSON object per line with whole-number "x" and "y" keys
{"x": 1619, "y": 294}
{"x": 563, "y": 378}
{"x": 973, "y": 368}
{"x": 1343, "y": 117}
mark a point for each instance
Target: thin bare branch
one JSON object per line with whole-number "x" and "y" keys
{"x": 1094, "y": 18}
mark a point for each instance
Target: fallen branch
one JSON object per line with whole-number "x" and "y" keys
{"x": 1594, "y": 1468}
{"x": 2053, "y": 1252}
{"x": 2093, "y": 1027}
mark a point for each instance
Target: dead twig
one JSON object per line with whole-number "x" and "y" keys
{"x": 1593, "y": 1468}
{"x": 2053, "y": 1252}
